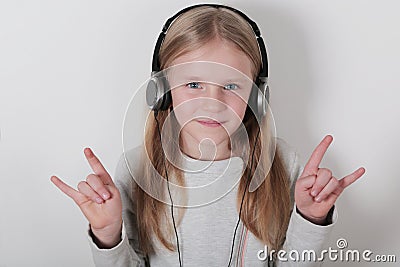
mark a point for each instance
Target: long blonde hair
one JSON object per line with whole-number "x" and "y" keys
{"x": 265, "y": 211}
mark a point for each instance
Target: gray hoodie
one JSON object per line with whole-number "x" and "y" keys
{"x": 206, "y": 231}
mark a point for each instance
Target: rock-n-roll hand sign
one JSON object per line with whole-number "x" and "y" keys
{"x": 99, "y": 200}
{"x": 316, "y": 189}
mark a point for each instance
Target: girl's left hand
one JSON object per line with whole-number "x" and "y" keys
{"x": 317, "y": 190}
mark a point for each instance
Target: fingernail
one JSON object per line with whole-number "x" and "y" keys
{"x": 99, "y": 200}
{"x": 314, "y": 192}
{"x": 106, "y": 196}
{"x": 318, "y": 199}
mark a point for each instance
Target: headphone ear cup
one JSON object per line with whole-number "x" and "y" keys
{"x": 259, "y": 99}
{"x": 263, "y": 98}
{"x": 158, "y": 96}
{"x": 166, "y": 97}
{"x": 253, "y": 99}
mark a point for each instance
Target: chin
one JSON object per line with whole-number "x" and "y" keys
{"x": 216, "y": 139}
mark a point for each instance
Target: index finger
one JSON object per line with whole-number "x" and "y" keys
{"x": 97, "y": 167}
{"x": 311, "y": 167}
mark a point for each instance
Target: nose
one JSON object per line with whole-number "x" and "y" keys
{"x": 214, "y": 99}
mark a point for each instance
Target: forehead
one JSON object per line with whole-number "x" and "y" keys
{"x": 219, "y": 51}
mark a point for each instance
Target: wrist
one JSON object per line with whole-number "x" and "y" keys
{"x": 315, "y": 220}
{"x": 105, "y": 239}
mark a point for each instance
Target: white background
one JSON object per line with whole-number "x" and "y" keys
{"x": 68, "y": 70}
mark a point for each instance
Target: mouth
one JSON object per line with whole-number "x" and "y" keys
{"x": 210, "y": 123}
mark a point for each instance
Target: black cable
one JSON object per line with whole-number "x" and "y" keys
{"x": 169, "y": 191}
{"x": 241, "y": 204}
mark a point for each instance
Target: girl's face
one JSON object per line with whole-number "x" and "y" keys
{"x": 211, "y": 103}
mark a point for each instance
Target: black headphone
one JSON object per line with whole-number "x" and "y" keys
{"x": 158, "y": 93}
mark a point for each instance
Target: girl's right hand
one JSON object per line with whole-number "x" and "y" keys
{"x": 99, "y": 200}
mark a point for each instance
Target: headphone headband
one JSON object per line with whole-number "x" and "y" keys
{"x": 263, "y": 52}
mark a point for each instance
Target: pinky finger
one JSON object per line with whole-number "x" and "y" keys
{"x": 351, "y": 178}
{"x": 69, "y": 191}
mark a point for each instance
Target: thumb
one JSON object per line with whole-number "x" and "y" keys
{"x": 306, "y": 182}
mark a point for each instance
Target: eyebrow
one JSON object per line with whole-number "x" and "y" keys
{"x": 240, "y": 80}
{"x": 225, "y": 81}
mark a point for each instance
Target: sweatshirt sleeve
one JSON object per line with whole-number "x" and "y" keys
{"x": 125, "y": 253}
{"x": 302, "y": 236}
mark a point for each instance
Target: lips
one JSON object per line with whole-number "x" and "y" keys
{"x": 210, "y": 123}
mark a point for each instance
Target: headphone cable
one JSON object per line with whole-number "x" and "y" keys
{"x": 169, "y": 191}
{"x": 241, "y": 204}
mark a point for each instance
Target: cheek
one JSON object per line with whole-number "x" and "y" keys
{"x": 239, "y": 107}
{"x": 183, "y": 107}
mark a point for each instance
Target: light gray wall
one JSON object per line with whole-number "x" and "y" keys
{"x": 68, "y": 70}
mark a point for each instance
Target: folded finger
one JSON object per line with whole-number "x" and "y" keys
{"x": 331, "y": 186}
{"x": 88, "y": 191}
{"x": 323, "y": 177}
{"x": 98, "y": 186}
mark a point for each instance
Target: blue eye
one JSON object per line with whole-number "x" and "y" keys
{"x": 231, "y": 86}
{"x": 193, "y": 85}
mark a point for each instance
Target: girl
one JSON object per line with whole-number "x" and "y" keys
{"x": 136, "y": 222}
